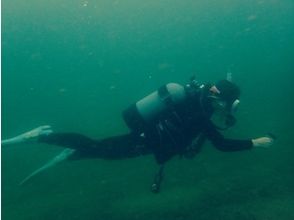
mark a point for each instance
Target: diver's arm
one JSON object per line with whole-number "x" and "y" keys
{"x": 226, "y": 144}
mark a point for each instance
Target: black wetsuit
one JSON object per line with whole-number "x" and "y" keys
{"x": 171, "y": 134}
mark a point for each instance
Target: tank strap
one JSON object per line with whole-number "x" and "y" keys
{"x": 133, "y": 119}
{"x": 165, "y": 96}
{"x": 171, "y": 123}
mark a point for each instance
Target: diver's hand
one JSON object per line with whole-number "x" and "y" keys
{"x": 263, "y": 142}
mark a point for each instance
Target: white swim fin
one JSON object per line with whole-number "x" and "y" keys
{"x": 64, "y": 155}
{"x": 28, "y": 136}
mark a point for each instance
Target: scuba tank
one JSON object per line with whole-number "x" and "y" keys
{"x": 147, "y": 110}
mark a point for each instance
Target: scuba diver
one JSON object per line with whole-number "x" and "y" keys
{"x": 174, "y": 120}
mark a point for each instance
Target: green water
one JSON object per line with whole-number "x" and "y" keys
{"x": 77, "y": 64}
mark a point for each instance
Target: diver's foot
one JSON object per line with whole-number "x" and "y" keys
{"x": 29, "y": 136}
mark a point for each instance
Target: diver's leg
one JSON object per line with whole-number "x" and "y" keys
{"x": 121, "y": 147}
{"x": 68, "y": 140}
{"x": 82, "y": 147}
{"x": 116, "y": 147}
